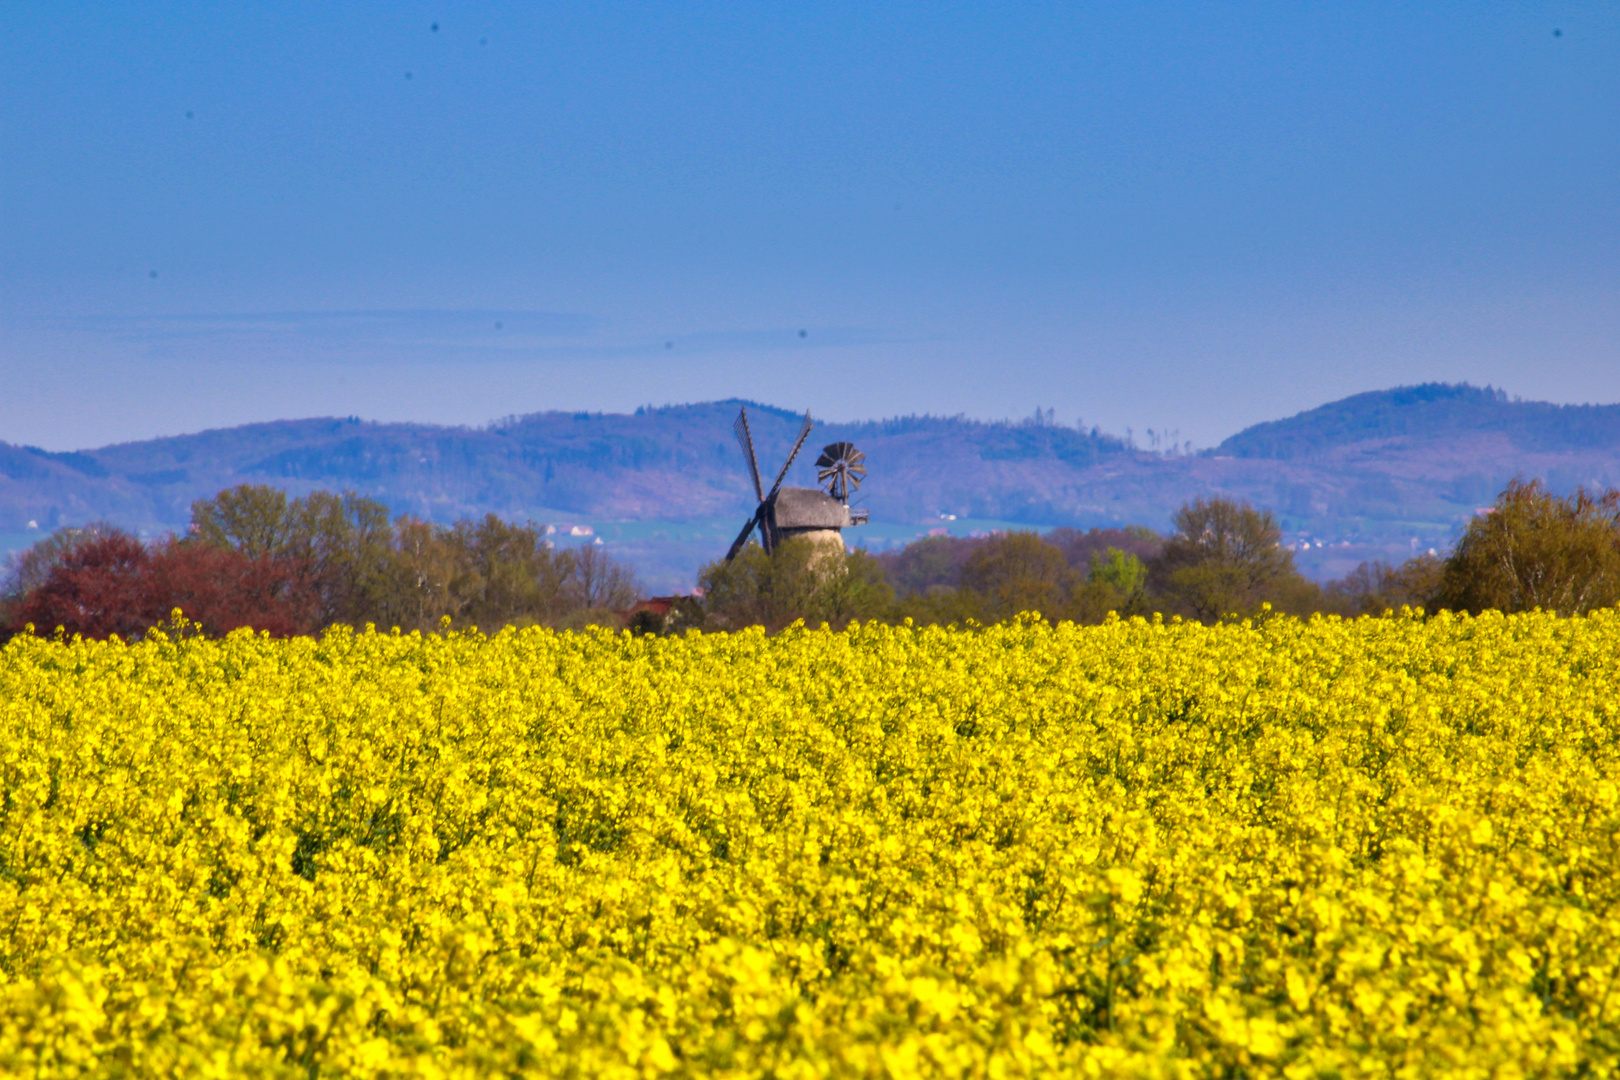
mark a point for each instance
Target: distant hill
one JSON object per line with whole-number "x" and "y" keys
{"x": 1374, "y": 474}
{"x": 1427, "y": 413}
{"x": 671, "y": 464}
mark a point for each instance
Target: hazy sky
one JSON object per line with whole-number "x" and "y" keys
{"x": 1184, "y": 217}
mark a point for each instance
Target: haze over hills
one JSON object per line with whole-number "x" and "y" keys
{"x": 1374, "y": 475}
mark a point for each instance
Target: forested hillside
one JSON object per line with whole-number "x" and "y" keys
{"x": 1379, "y": 472}
{"x": 1427, "y": 413}
{"x": 672, "y": 464}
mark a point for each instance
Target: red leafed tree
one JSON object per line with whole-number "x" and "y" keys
{"x": 113, "y": 584}
{"x": 98, "y": 587}
{"x": 224, "y": 590}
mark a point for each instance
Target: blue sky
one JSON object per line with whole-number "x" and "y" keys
{"x": 1184, "y": 217}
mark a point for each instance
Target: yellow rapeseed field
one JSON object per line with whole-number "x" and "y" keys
{"x": 1382, "y": 847}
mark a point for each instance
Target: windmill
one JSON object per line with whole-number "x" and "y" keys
{"x": 810, "y": 513}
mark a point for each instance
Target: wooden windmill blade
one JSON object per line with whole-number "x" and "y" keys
{"x": 747, "y": 531}
{"x": 745, "y": 439}
{"x": 804, "y": 433}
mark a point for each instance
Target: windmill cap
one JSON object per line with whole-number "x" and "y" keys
{"x": 808, "y": 508}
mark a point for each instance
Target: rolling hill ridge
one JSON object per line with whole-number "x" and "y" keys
{"x": 1386, "y": 471}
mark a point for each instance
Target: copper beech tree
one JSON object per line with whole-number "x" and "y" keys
{"x": 110, "y": 583}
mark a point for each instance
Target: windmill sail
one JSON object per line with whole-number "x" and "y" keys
{"x": 745, "y": 439}
{"x": 785, "y": 513}
{"x": 804, "y": 433}
{"x": 742, "y": 537}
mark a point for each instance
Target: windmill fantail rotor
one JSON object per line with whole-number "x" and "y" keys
{"x": 839, "y": 470}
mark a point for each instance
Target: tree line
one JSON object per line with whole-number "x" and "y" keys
{"x": 254, "y": 557}
{"x": 1223, "y": 559}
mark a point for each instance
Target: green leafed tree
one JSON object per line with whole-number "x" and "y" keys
{"x": 1535, "y": 549}
{"x": 1017, "y": 572}
{"x": 850, "y": 587}
{"x": 342, "y": 543}
{"x": 424, "y": 580}
{"x": 347, "y": 541}
{"x": 1116, "y": 581}
{"x": 1124, "y": 572}
{"x": 254, "y": 519}
{"x": 504, "y": 573}
{"x": 411, "y": 573}
{"x": 799, "y": 580}
{"x": 1224, "y": 557}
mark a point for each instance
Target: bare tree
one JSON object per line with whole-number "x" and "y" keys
{"x": 593, "y": 580}
{"x": 1373, "y": 587}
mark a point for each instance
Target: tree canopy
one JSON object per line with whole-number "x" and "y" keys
{"x": 1534, "y": 549}
{"x": 1224, "y": 557}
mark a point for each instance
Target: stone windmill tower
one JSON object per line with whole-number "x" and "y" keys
{"x": 815, "y": 514}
